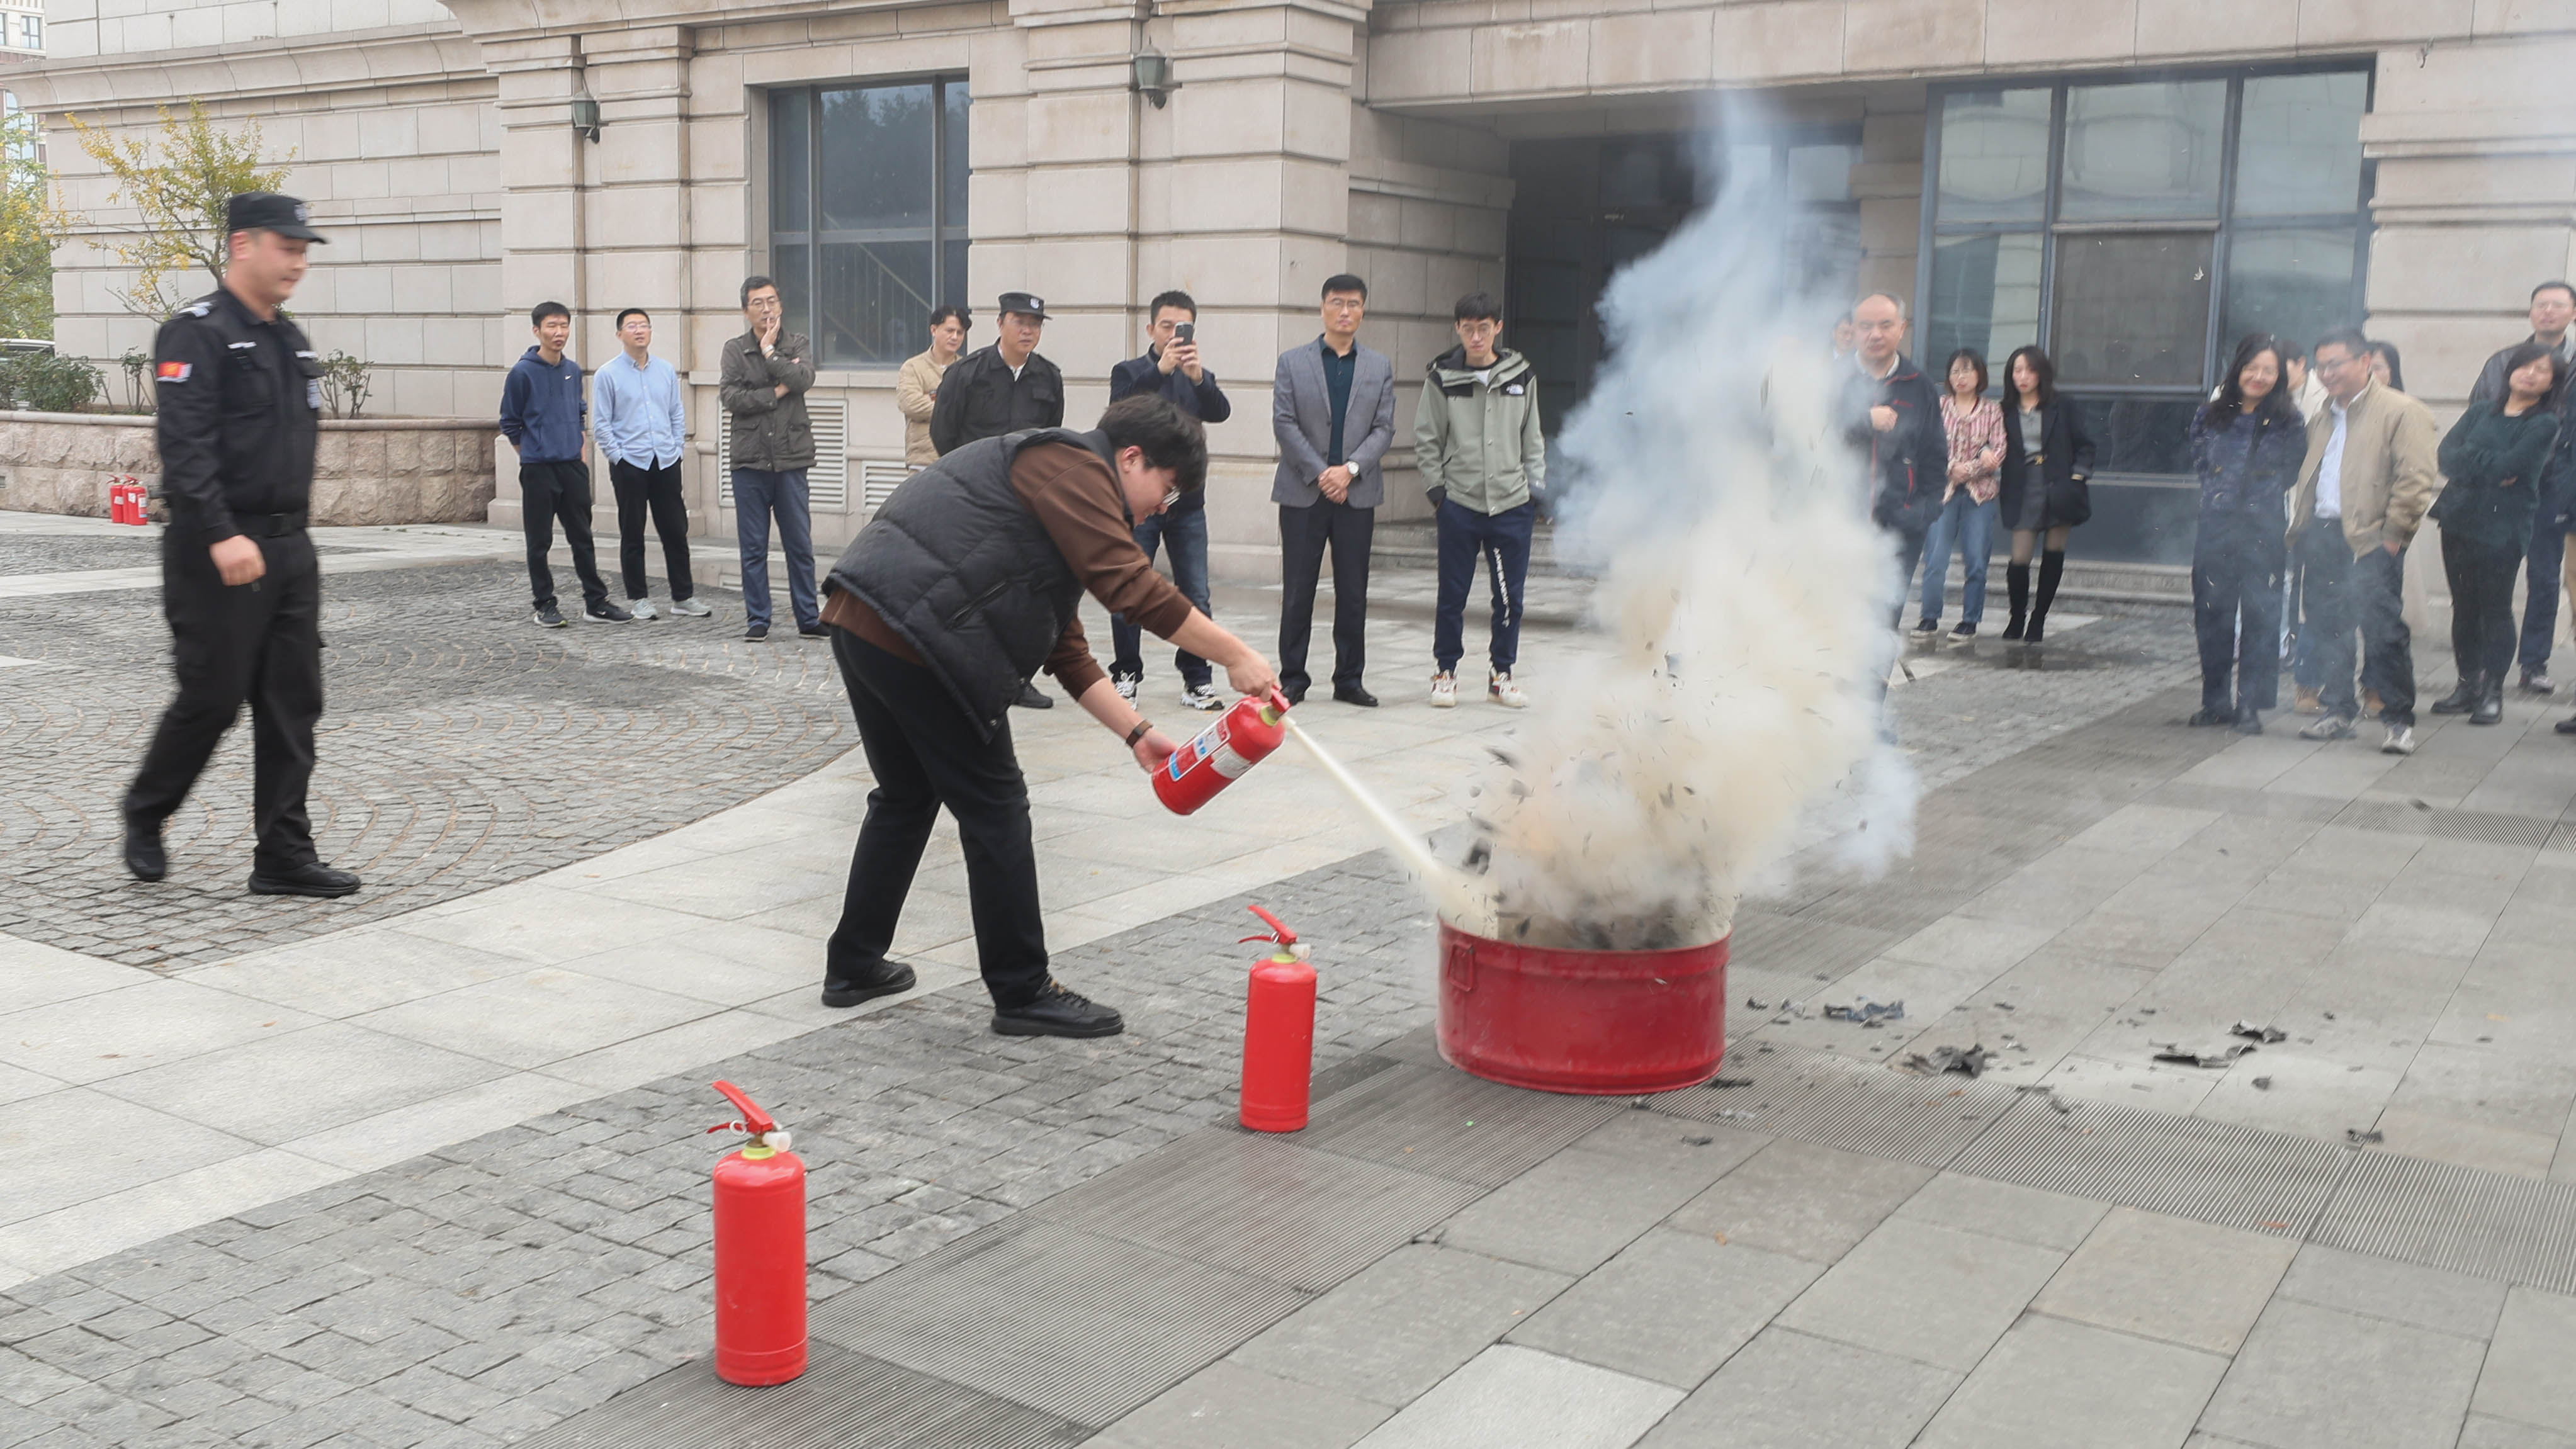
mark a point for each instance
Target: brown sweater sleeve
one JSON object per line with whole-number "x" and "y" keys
{"x": 1075, "y": 498}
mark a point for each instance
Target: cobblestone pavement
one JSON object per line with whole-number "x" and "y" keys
{"x": 460, "y": 748}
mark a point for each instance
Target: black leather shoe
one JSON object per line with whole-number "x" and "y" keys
{"x": 143, "y": 853}
{"x": 890, "y": 978}
{"x": 2488, "y": 709}
{"x": 1058, "y": 1012}
{"x": 1031, "y": 697}
{"x": 1294, "y": 696}
{"x": 312, "y": 878}
{"x": 2460, "y": 700}
{"x": 2250, "y": 722}
{"x": 2208, "y": 718}
{"x": 2565, "y": 726}
{"x": 815, "y": 630}
{"x": 1355, "y": 694}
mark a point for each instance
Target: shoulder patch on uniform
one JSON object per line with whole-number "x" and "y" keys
{"x": 173, "y": 372}
{"x": 198, "y": 309}
{"x": 241, "y": 346}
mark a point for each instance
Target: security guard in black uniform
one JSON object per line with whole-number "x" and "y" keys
{"x": 1004, "y": 388}
{"x": 240, "y": 404}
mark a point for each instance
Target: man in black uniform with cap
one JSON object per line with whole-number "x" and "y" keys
{"x": 997, "y": 390}
{"x": 240, "y": 404}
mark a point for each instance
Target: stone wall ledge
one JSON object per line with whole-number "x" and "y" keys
{"x": 366, "y": 470}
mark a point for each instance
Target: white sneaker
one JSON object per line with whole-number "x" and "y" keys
{"x": 1501, "y": 690}
{"x": 1126, "y": 685}
{"x": 2400, "y": 741}
{"x": 1200, "y": 696}
{"x": 1444, "y": 691}
{"x": 641, "y": 608}
{"x": 690, "y": 607}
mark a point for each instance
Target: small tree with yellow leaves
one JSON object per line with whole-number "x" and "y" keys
{"x": 179, "y": 183}
{"x": 30, "y": 227}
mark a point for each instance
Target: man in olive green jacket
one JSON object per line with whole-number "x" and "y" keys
{"x": 2372, "y": 471}
{"x": 1476, "y": 440}
{"x": 762, "y": 378}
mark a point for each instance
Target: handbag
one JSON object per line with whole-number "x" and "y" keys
{"x": 2070, "y": 502}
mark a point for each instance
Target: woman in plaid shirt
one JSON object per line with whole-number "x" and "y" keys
{"x": 1975, "y": 424}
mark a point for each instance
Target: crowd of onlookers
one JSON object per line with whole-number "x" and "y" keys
{"x": 2315, "y": 470}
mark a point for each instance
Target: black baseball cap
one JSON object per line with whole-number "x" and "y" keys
{"x": 269, "y": 211}
{"x": 1026, "y": 303}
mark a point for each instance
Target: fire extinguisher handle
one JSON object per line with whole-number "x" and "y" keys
{"x": 1278, "y": 932}
{"x": 754, "y": 1121}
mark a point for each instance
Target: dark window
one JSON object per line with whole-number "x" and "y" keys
{"x": 2144, "y": 152}
{"x": 1985, "y": 295}
{"x": 868, "y": 214}
{"x": 2132, "y": 309}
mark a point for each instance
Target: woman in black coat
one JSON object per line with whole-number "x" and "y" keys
{"x": 2047, "y": 459}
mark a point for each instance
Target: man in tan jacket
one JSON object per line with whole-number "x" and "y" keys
{"x": 916, "y": 385}
{"x": 2369, "y": 477}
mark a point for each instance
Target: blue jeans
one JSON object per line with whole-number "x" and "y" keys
{"x": 1503, "y": 540}
{"x": 2540, "y": 592}
{"x": 757, "y": 493}
{"x": 1187, "y": 534}
{"x": 1971, "y": 525}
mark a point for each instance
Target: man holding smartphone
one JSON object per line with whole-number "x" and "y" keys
{"x": 1171, "y": 370}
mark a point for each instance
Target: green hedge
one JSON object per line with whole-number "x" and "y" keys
{"x": 48, "y": 382}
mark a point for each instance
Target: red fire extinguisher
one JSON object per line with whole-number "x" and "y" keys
{"x": 1278, "y": 1034}
{"x": 760, "y": 1252}
{"x": 1234, "y": 742}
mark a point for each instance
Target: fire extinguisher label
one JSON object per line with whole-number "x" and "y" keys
{"x": 1210, "y": 745}
{"x": 1227, "y": 763}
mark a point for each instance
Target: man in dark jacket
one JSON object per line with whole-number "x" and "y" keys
{"x": 1004, "y": 388}
{"x": 762, "y": 380}
{"x": 1892, "y": 415}
{"x": 546, "y": 421}
{"x": 966, "y": 582}
{"x": 1171, "y": 370}
{"x": 2553, "y": 325}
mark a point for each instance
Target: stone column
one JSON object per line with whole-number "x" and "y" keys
{"x": 543, "y": 173}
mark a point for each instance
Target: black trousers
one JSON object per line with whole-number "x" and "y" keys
{"x": 2339, "y": 593}
{"x": 2482, "y": 632}
{"x": 549, "y": 491}
{"x": 258, "y": 642}
{"x": 1304, "y": 534}
{"x": 656, "y": 490}
{"x": 926, "y": 753}
{"x": 2236, "y": 563}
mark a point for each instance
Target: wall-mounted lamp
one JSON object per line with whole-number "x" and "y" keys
{"x": 1154, "y": 77}
{"x": 585, "y": 114}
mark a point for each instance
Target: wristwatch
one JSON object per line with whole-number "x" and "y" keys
{"x": 1138, "y": 733}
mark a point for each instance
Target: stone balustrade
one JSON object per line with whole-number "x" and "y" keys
{"x": 366, "y": 470}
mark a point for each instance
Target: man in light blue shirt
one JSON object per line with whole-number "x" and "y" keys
{"x": 640, "y": 422}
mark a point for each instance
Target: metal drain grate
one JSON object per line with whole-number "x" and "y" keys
{"x": 2562, "y": 838}
{"x": 1764, "y": 941}
{"x": 1261, "y": 1205}
{"x": 2185, "y": 1167}
{"x": 843, "y": 1398}
{"x": 2399, "y": 817}
{"x": 1924, "y": 1120}
{"x": 1419, "y": 1119}
{"x": 1079, "y": 1325}
{"x": 2481, "y": 1223}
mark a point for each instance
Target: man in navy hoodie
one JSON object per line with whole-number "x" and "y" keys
{"x": 544, "y": 418}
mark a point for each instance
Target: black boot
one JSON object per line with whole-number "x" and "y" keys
{"x": 2052, "y": 567}
{"x": 2489, "y": 707}
{"x": 2017, "y": 584}
{"x": 2460, "y": 700}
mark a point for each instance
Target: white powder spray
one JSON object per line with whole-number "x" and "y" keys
{"x": 1729, "y": 701}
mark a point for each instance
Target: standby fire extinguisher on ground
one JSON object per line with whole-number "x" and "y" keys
{"x": 1278, "y": 1033}
{"x": 760, "y": 1251}
{"x": 1234, "y": 742}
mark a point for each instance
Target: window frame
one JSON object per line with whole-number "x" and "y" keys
{"x": 941, "y": 232}
{"x": 2223, "y": 230}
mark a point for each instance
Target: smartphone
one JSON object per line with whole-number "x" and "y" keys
{"x": 1186, "y": 332}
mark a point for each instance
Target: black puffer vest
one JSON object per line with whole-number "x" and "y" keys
{"x": 960, "y": 569}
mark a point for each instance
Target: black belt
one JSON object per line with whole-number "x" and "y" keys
{"x": 271, "y": 525}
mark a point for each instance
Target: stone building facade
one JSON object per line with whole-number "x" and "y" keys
{"x": 2099, "y": 167}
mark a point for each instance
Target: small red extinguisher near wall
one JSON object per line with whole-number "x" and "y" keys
{"x": 1234, "y": 742}
{"x": 760, "y": 1252}
{"x": 1278, "y": 1034}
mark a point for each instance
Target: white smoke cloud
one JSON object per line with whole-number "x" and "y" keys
{"x": 1730, "y": 699}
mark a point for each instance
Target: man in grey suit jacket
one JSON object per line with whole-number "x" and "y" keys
{"x": 1332, "y": 407}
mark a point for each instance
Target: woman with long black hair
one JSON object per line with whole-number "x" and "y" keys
{"x": 2047, "y": 459}
{"x": 2492, "y": 461}
{"x": 2246, "y": 448}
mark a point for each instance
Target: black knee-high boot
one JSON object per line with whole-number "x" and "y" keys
{"x": 2017, "y": 584}
{"x": 2052, "y": 567}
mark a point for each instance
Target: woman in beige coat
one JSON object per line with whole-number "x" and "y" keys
{"x": 916, "y": 386}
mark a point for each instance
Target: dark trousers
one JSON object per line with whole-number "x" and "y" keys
{"x": 2548, "y": 552}
{"x": 657, "y": 491}
{"x": 2236, "y": 564}
{"x": 758, "y": 493}
{"x": 2481, "y": 576}
{"x": 1304, "y": 533}
{"x": 1187, "y": 535}
{"x": 926, "y": 753}
{"x": 2340, "y": 593}
{"x": 1503, "y": 541}
{"x": 548, "y": 491}
{"x": 1905, "y": 536}
{"x": 258, "y": 642}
